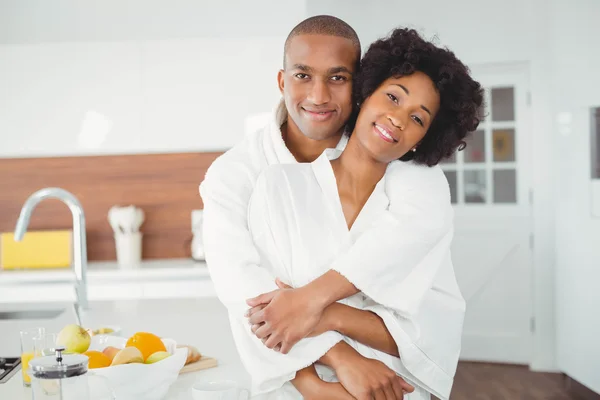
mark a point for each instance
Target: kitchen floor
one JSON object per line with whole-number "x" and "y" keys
{"x": 482, "y": 381}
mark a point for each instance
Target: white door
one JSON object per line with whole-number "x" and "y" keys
{"x": 492, "y": 254}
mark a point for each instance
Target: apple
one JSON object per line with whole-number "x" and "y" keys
{"x": 156, "y": 357}
{"x": 74, "y": 338}
{"x": 111, "y": 352}
{"x": 128, "y": 355}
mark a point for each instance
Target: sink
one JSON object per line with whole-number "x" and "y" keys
{"x": 30, "y": 314}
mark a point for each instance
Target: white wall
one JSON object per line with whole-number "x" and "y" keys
{"x": 136, "y": 76}
{"x": 543, "y": 146}
{"x": 477, "y": 31}
{"x": 140, "y": 76}
{"x": 43, "y": 21}
{"x": 576, "y": 62}
{"x": 133, "y": 97}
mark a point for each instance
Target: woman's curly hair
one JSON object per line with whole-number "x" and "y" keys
{"x": 461, "y": 97}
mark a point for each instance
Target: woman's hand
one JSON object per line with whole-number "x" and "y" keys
{"x": 325, "y": 324}
{"x": 370, "y": 379}
{"x": 365, "y": 378}
{"x": 331, "y": 391}
{"x": 283, "y": 317}
{"x": 311, "y": 387}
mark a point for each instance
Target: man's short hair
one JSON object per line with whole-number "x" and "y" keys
{"x": 324, "y": 25}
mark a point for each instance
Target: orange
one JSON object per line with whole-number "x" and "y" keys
{"x": 147, "y": 343}
{"x": 97, "y": 359}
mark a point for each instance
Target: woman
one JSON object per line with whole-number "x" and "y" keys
{"x": 417, "y": 103}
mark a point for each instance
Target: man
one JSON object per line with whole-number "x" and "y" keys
{"x": 321, "y": 55}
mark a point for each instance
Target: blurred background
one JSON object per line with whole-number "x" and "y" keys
{"x": 130, "y": 101}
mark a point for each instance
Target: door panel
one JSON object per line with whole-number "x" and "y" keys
{"x": 491, "y": 251}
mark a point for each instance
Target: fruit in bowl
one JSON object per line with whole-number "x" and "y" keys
{"x": 147, "y": 343}
{"x": 135, "y": 377}
{"x": 156, "y": 357}
{"x": 111, "y": 352}
{"x": 142, "y": 347}
{"x": 74, "y": 338}
{"x": 97, "y": 359}
{"x": 141, "y": 367}
{"x": 128, "y": 355}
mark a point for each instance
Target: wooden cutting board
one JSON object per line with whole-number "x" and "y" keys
{"x": 203, "y": 363}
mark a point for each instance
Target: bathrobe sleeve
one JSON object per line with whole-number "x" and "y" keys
{"x": 236, "y": 271}
{"x": 428, "y": 343}
{"x": 232, "y": 259}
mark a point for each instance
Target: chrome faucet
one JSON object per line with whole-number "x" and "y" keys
{"x": 79, "y": 236}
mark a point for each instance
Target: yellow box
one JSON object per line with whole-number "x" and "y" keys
{"x": 38, "y": 249}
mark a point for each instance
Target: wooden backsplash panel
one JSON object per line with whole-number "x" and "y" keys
{"x": 165, "y": 186}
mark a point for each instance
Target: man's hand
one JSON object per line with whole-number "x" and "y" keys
{"x": 365, "y": 378}
{"x": 284, "y": 316}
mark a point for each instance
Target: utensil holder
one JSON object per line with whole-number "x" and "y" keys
{"x": 129, "y": 249}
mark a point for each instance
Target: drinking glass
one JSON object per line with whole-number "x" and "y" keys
{"x": 28, "y": 338}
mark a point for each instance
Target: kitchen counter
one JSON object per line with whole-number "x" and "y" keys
{"x": 162, "y": 278}
{"x": 171, "y": 268}
{"x": 200, "y": 322}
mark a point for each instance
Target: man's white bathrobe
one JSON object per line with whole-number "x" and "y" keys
{"x": 289, "y": 223}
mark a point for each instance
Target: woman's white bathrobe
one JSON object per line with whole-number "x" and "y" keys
{"x": 298, "y": 226}
{"x": 397, "y": 253}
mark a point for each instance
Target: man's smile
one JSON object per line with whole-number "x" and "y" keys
{"x": 318, "y": 115}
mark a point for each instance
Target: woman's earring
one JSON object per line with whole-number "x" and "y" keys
{"x": 414, "y": 149}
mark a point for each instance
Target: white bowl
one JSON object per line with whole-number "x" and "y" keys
{"x": 140, "y": 381}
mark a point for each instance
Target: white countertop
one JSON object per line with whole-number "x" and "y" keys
{"x": 158, "y": 278}
{"x": 199, "y": 322}
{"x": 98, "y": 271}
